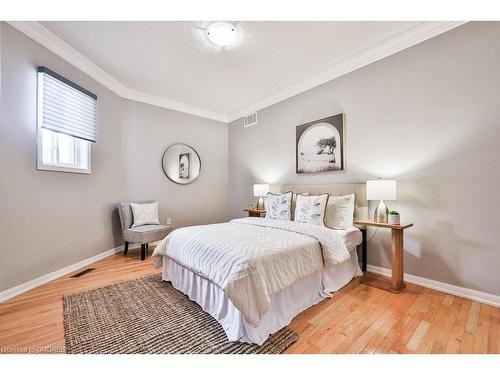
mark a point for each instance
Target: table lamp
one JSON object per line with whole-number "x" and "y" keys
{"x": 383, "y": 190}
{"x": 260, "y": 190}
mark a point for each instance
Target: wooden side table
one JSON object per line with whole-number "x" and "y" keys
{"x": 396, "y": 283}
{"x": 255, "y": 213}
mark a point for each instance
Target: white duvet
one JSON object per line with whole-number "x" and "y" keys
{"x": 253, "y": 258}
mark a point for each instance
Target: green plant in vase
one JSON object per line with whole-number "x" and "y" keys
{"x": 394, "y": 217}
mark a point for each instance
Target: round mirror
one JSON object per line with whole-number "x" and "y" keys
{"x": 181, "y": 163}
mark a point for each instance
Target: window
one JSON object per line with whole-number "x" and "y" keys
{"x": 66, "y": 124}
{"x": 62, "y": 150}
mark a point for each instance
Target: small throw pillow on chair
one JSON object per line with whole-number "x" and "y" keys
{"x": 145, "y": 213}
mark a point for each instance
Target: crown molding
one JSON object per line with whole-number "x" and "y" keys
{"x": 414, "y": 35}
{"x": 46, "y": 38}
{"x": 158, "y": 101}
{"x": 407, "y": 38}
{"x": 53, "y": 43}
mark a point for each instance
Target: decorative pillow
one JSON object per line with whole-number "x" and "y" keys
{"x": 294, "y": 202}
{"x": 311, "y": 209}
{"x": 340, "y": 212}
{"x": 145, "y": 213}
{"x": 279, "y": 206}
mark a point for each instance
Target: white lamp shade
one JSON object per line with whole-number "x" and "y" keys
{"x": 385, "y": 190}
{"x": 260, "y": 190}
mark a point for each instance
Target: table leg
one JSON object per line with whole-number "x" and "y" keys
{"x": 363, "y": 250}
{"x": 397, "y": 259}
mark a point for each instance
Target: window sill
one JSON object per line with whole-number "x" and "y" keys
{"x": 57, "y": 168}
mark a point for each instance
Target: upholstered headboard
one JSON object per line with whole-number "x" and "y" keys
{"x": 359, "y": 190}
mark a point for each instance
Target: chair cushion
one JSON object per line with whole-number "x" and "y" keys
{"x": 147, "y": 228}
{"x": 146, "y": 233}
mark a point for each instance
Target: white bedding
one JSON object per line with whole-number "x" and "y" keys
{"x": 252, "y": 259}
{"x": 284, "y": 306}
{"x": 352, "y": 237}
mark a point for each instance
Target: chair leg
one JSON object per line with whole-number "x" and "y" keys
{"x": 143, "y": 251}
{"x": 125, "y": 251}
{"x": 147, "y": 247}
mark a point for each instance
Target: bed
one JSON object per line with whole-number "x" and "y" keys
{"x": 254, "y": 275}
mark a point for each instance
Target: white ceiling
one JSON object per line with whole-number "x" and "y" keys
{"x": 174, "y": 61}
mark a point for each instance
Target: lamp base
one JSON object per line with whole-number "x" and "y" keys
{"x": 381, "y": 213}
{"x": 260, "y": 204}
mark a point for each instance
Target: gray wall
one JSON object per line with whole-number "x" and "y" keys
{"x": 428, "y": 116}
{"x": 148, "y": 131}
{"x": 50, "y": 220}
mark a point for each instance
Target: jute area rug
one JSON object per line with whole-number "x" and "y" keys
{"x": 148, "y": 315}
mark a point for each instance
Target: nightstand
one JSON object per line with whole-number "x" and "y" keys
{"x": 255, "y": 213}
{"x": 396, "y": 283}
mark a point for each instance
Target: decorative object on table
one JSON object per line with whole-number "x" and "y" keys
{"x": 279, "y": 206}
{"x": 320, "y": 145}
{"x": 253, "y": 212}
{"x": 383, "y": 190}
{"x": 252, "y": 206}
{"x": 260, "y": 191}
{"x": 396, "y": 282}
{"x": 394, "y": 217}
{"x": 181, "y": 163}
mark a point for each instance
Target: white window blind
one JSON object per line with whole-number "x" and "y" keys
{"x": 64, "y": 107}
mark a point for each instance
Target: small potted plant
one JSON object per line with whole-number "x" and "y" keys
{"x": 394, "y": 217}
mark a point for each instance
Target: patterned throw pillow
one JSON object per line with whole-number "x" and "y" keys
{"x": 279, "y": 206}
{"x": 311, "y": 209}
{"x": 144, "y": 213}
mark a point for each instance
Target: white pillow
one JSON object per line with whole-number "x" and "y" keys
{"x": 340, "y": 212}
{"x": 145, "y": 213}
{"x": 279, "y": 206}
{"x": 311, "y": 209}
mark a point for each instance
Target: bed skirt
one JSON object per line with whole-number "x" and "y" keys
{"x": 285, "y": 305}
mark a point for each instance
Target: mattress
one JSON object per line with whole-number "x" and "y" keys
{"x": 285, "y": 304}
{"x": 352, "y": 237}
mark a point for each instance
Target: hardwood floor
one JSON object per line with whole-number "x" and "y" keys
{"x": 358, "y": 319}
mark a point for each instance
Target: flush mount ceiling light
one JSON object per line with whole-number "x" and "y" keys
{"x": 222, "y": 34}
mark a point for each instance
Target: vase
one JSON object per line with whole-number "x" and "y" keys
{"x": 394, "y": 219}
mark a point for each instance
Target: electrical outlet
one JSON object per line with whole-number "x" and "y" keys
{"x": 169, "y": 220}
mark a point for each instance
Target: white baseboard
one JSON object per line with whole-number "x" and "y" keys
{"x": 20, "y": 289}
{"x": 475, "y": 295}
{"x": 459, "y": 291}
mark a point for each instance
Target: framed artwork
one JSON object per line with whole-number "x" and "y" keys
{"x": 184, "y": 164}
{"x": 320, "y": 145}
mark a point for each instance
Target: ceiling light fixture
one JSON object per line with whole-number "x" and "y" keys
{"x": 222, "y": 34}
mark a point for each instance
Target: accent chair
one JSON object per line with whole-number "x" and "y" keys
{"x": 143, "y": 234}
